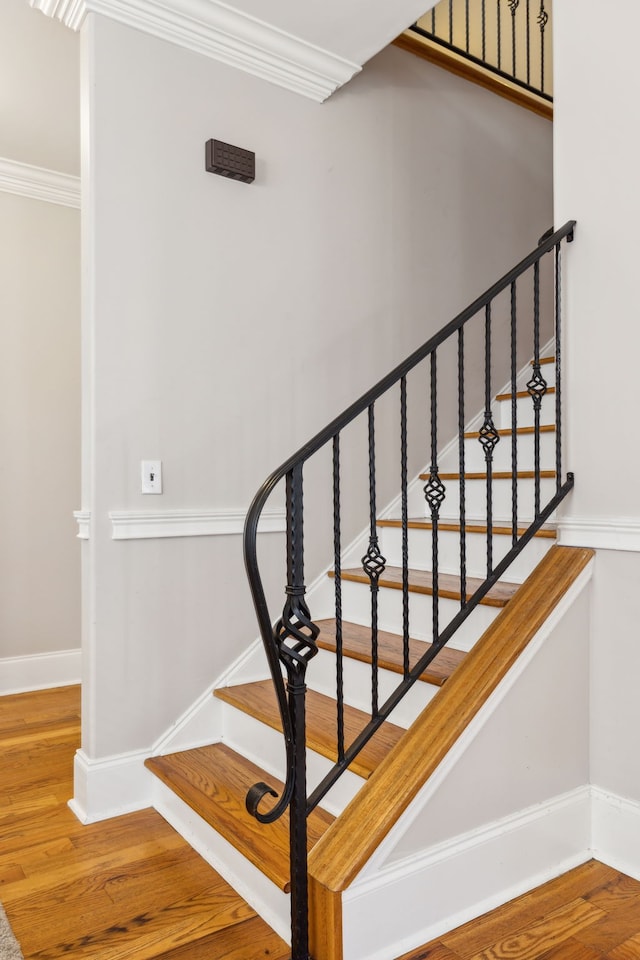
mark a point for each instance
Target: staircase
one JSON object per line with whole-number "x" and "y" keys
{"x": 362, "y": 649}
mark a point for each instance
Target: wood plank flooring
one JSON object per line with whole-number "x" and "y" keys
{"x": 129, "y": 887}
{"x": 590, "y": 913}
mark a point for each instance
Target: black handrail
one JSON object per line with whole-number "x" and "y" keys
{"x": 516, "y": 33}
{"x": 291, "y": 644}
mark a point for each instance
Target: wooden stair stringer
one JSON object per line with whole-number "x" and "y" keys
{"x": 351, "y": 840}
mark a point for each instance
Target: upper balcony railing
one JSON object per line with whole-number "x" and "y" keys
{"x": 509, "y": 38}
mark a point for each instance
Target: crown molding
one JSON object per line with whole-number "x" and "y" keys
{"x": 39, "y": 183}
{"x": 218, "y": 31}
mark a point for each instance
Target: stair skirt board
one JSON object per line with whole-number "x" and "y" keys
{"x": 436, "y": 867}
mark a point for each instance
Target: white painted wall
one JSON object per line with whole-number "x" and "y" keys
{"x": 40, "y": 430}
{"x": 597, "y": 157}
{"x": 367, "y": 228}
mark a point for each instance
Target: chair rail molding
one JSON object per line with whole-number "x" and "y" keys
{"x": 218, "y": 31}
{"x": 145, "y": 525}
{"x": 38, "y": 183}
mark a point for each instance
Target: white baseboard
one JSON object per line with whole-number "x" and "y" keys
{"x": 615, "y": 831}
{"x": 110, "y": 786}
{"x": 39, "y": 671}
{"x": 466, "y": 876}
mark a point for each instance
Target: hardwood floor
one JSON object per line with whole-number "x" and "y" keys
{"x": 590, "y": 913}
{"x": 131, "y": 887}
{"x": 125, "y": 888}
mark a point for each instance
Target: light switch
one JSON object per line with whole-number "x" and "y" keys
{"x": 151, "y": 476}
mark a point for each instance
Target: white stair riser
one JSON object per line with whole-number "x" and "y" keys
{"x": 524, "y": 412}
{"x": 356, "y": 605}
{"x": 502, "y": 453}
{"x": 357, "y": 678}
{"x": 476, "y": 499}
{"x": 420, "y": 551}
{"x": 265, "y": 747}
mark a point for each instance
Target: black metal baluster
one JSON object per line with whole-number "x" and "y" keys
{"x": 558, "y": 345}
{"x": 337, "y": 565}
{"x": 536, "y": 386}
{"x": 489, "y": 436}
{"x": 373, "y": 564}
{"x": 451, "y": 21}
{"x": 528, "y": 40}
{"x": 434, "y": 492}
{"x": 514, "y": 418}
{"x": 466, "y": 24}
{"x": 484, "y": 30}
{"x": 405, "y": 527}
{"x": 499, "y": 33}
{"x": 543, "y": 19}
{"x": 433, "y": 19}
{"x": 513, "y": 6}
{"x": 296, "y": 636}
{"x": 461, "y": 468}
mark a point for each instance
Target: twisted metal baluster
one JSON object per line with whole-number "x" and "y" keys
{"x": 373, "y": 564}
{"x": 337, "y": 565}
{"x": 514, "y": 419}
{"x": 405, "y": 527}
{"x": 528, "y": 37}
{"x": 489, "y": 436}
{"x": 461, "y": 468}
{"x": 466, "y": 24}
{"x": 484, "y": 31}
{"x": 543, "y": 19}
{"x": 434, "y": 492}
{"x": 537, "y": 385}
{"x": 513, "y": 6}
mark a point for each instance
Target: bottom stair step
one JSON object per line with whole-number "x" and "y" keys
{"x": 214, "y": 781}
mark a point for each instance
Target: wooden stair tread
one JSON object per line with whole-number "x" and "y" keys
{"x": 520, "y": 394}
{"x": 507, "y": 431}
{"x": 214, "y": 781}
{"x": 497, "y": 475}
{"x": 356, "y": 644}
{"x": 543, "y": 360}
{"x": 420, "y": 523}
{"x": 346, "y": 847}
{"x": 449, "y": 586}
{"x": 258, "y": 699}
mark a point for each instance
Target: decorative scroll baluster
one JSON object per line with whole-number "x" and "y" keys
{"x": 542, "y": 19}
{"x": 461, "y": 468}
{"x": 514, "y": 418}
{"x": 434, "y": 492}
{"x": 337, "y": 566}
{"x": 373, "y": 564}
{"x": 405, "y": 526}
{"x": 489, "y": 436}
{"x": 296, "y": 636}
{"x": 537, "y": 385}
{"x": 513, "y": 6}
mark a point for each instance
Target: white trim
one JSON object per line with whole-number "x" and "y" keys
{"x": 189, "y": 523}
{"x": 110, "y": 786}
{"x": 604, "y": 533}
{"x": 472, "y": 874}
{"x": 83, "y": 518}
{"x": 39, "y": 671}
{"x": 222, "y": 33}
{"x": 37, "y": 183}
{"x": 615, "y": 831}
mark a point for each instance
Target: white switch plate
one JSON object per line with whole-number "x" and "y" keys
{"x": 151, "y": 476}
